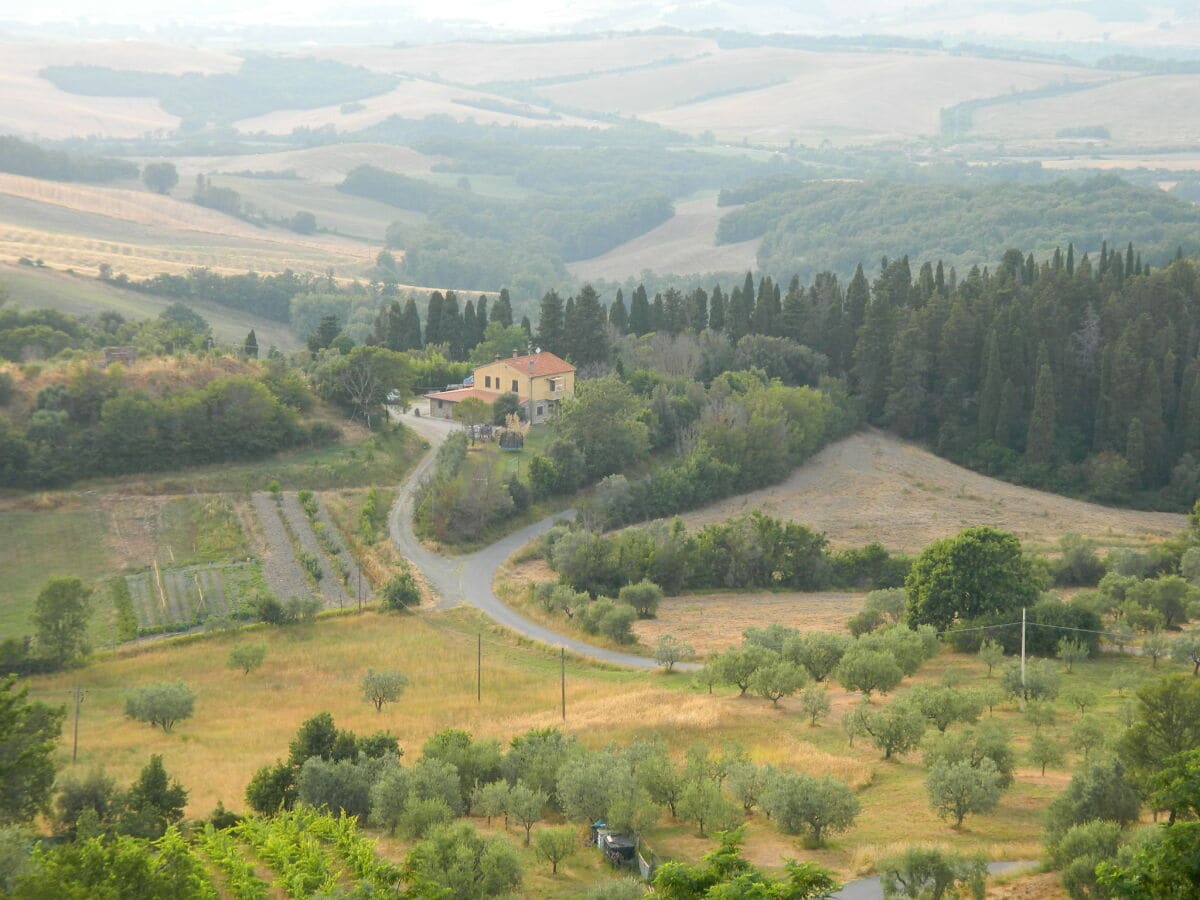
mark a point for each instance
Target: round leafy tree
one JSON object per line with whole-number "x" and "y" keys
{"x": 980, "y": 571}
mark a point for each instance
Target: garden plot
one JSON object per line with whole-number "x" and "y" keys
{"x": 163, "y": 598}
{"x": 284, "y": 575}
{"x": 331, "y": 587}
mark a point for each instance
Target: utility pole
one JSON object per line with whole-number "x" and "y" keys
{"x": 1022, "y": 657}
{"x": 360, "y": 590}
{"x": 479, "y": 668}
{"x": 562, "y": 678}
{"x": 78, "y": 694}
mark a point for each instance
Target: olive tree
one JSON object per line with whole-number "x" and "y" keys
{"x": 555, "y": 844}
{"x": 868, "y": 671}
{"x": 814, "y": 703}
{"x": 778, "y": 679}
{"x": 526, "y": 806}
{"x": 161, "y": 704}
{"x": 670, "y": 650}
{"x": 958, "y": 789}
{"x": 798, "y": 802}
{"x": 644, "y": 596}
{"x": 921, "y": 872}
{"x": 382, "y": 687}
{"x": 247, "y": 657}
{"x": 896, "y": 729}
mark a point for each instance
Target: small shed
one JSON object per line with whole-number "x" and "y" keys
{"x": 619, "y": 849}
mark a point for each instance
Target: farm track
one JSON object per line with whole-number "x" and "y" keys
{"x": 282, "y": 571}
{"x": 332, "y": 592}
{"x": 468, "y": 579}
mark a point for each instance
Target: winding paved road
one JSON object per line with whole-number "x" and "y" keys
{"x": 468, "y": 579}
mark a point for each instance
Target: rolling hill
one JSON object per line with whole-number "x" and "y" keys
{"x": 874, "y": 487}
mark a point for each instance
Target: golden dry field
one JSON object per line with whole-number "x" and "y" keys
{"x": 785, "y": 94}
{"x": 140, "y": 234}
{"x": 713, "y": 622}
{"x": 1146, "y": 111}
{"x": 82, "y": 295}
{"x": 685, "y": 244}
{"x": 32, "y": 106}
{"x": 476, "y": 63}
{"x": 413, "y": 99}
{"x": 326, "y": 165}
{"x": 874, "y": 487}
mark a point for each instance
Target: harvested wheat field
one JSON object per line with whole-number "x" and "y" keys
{"x": 32, "y": 106}
{"x": 140, "y": 233}
{"x": 1157, "y": 111}
{"x": 686, "y": 244}
{"x": 478, "y": 63}
{"x": 770, "y": 95}
{"x": 874, "y": 487}
{"x": 323, "y": 165}
{"x": 413, "y": 99}
{"x": 712, "y": 622}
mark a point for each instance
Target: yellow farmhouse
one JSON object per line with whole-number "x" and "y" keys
{"x": 542, "y": 376}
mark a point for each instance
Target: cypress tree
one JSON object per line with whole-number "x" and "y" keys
{"x": 674, "y": 316}
{"x": 658, "y": 314}
{"x": 469, "y": 327}
{"x": 1129, "y": 259}
{"x": 481, "y": 316}
{"x": 1008, "y": 416}
{"x": 502, "y": 311}
{"x": 1070, "y": 259}
{"x": 550, "y": 323}
{"x": 250, "y": 347}
{"x": 433, "y": 319}
{"x": 697, "y": 309}
{"x": 640, "y": 319}
{"x": 939, "y": 278}
{"x": 737, "y": 316}
{"x": 618, "y": 316}
{"x": 452, "y": 327}
{"x": 873, "y": 355}
{"x": 590, "y": 331}
{"x": 570, "y": 330}
{"x": 716, "y": 309}
{"x": 1041, "y": 441}
{"x": 526, "y": 326}
{"x": 858, "y": 295}
{"x": 410, "y": 327}
{"x": 793, "y": 318}
{"x": 764, "y": 319}
{"x": 386, "y": 332}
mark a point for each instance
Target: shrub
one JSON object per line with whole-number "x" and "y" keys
{"x": 401, "y": 591}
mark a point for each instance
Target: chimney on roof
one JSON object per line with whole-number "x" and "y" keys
{"x": 496, "y": 358}
{"x": 514, "y": 354}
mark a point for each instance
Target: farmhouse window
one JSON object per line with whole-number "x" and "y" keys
{"x": 516, "y": 389}
{"x": 553, "y": 385}
{"x": 487, "y": 380}
{"x": 541, "y": 410}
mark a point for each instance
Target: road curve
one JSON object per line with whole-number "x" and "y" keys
{"x": 468, "y": 579}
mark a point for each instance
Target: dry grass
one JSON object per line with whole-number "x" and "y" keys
{"x": 842, "y": 97}
{"x": 323, "y": 165}
{"x": 684, "y": 245}
{"x": 1173, "y": 163}
{"x": 1149, "y": 110}
{"x": 712, "y": 622}
{"x": 79, "y": 295}
{"x": 31, "y": 105}
{"x": 411, "y": 98}
{"x": 139, "y": 233}
{"x": 157, "y": 376}
{"x": 873, "y": 487}
{"x": 477, "y": 63}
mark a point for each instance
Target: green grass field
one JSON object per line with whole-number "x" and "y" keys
{"x": 381, "y": 459}
{"x": 39, "y": 544}
{"x": 79, "y": 295}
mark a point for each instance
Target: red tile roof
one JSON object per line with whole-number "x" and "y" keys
{"x": 464, "y": 394}
{"x": 544, "y": 363}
